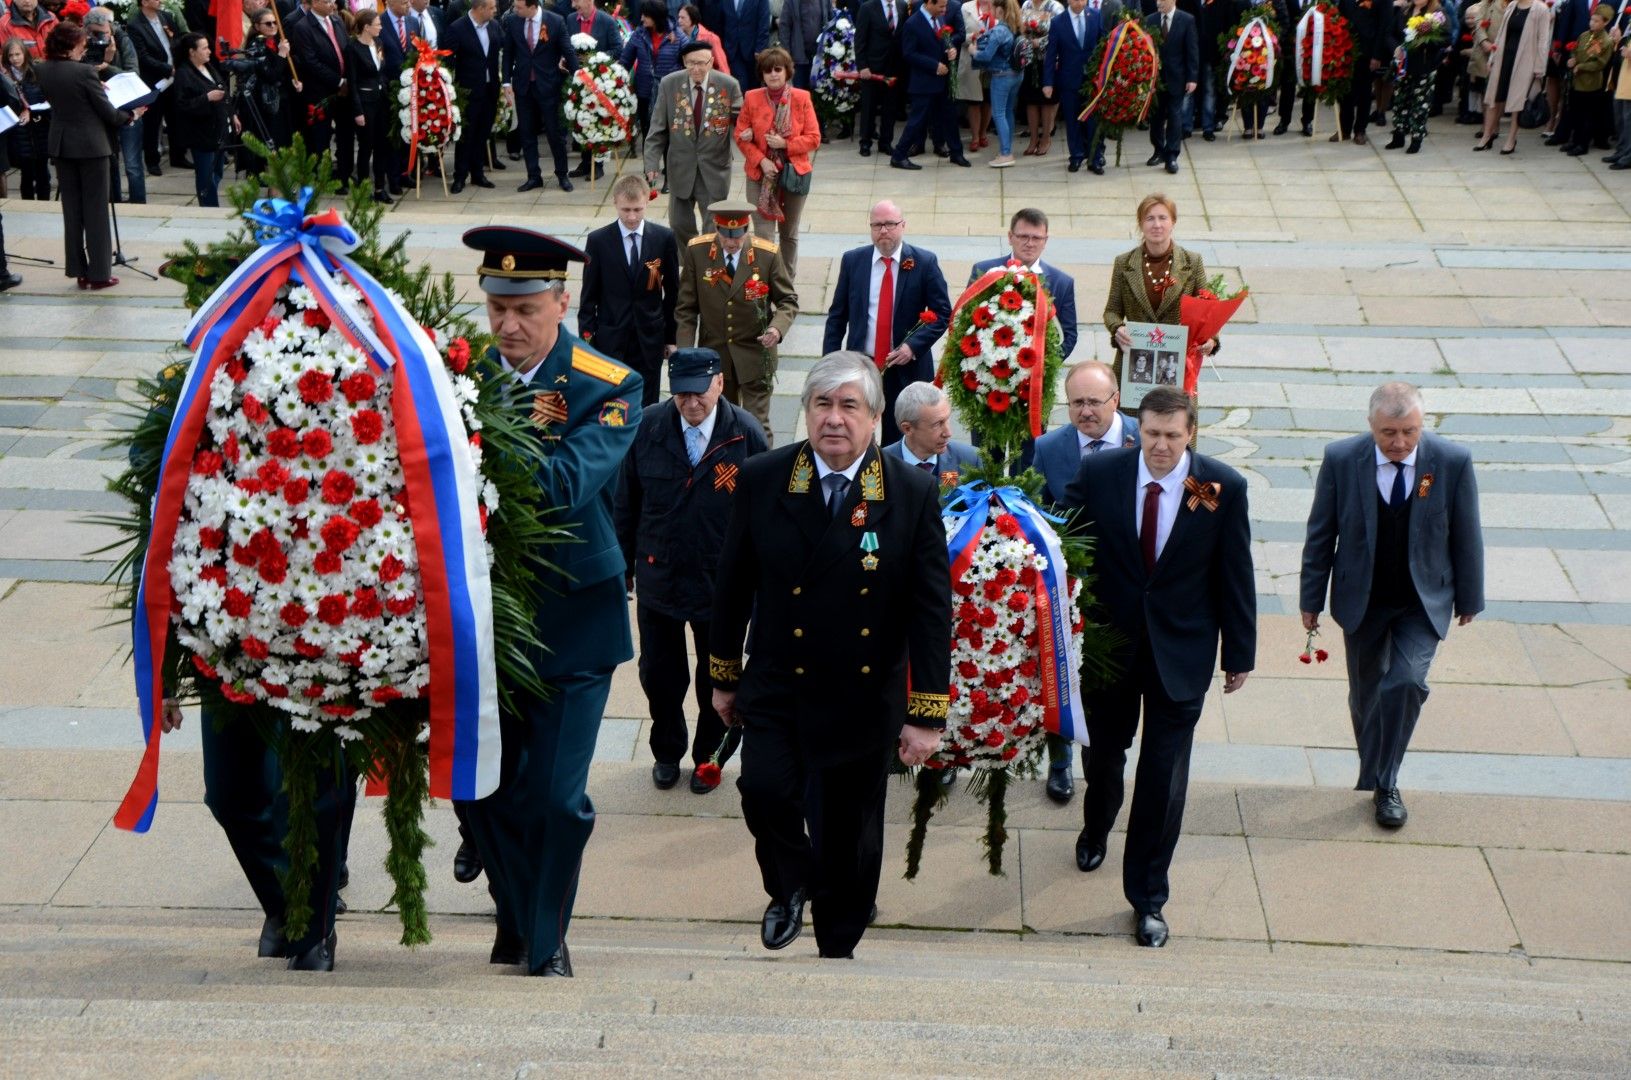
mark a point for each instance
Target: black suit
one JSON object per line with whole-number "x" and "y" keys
{"x": 322, "y": 73}
{"x": 1372, "y": 27}
{"x": 535, "y": 75}
{"x": 877, "y": 48}
{"x": 155, "y": 61}
{"x": 371, "y": 97}
{"x": 1180, "y": 66}
{"x": 475, "y": 71}
{"x": 1201, "y": 589}
{"x": 824, "y": 693}
{"x": 621, "y": 311}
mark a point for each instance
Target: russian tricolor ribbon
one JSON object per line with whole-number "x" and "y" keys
{"x": 1062, "y": 709}
{"x": 437, "y": 467}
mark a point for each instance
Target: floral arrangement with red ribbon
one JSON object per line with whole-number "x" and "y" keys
{"x": 1002, "y": 355}
{"x": 430, "y": 118}
{"x": 1121, "y": 81}
{"x": 600, "y": 103}
{"x": 1325, "y": 53}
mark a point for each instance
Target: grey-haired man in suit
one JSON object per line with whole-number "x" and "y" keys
{"x": 924, "y": 414}
{"x": 1395, "y": 516}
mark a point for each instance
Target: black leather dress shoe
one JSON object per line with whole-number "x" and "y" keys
{"x": 1061, "y": 785}
{"x": 1090, "y": 851}
{"x": 466, "y": 863}
{"x": 508, "y": 948}
{"x": 941, "y": 152}
{"x": 498, "y": 165}
{"x": 320, "y": 957}
{"x": 340, "y": 906}
{"x": 1097, "y": 168}
{"x": 904, "y": 163}
{"x": 1152, "y": 931}
{"x": 1074, "y": 166}
{"x": 961, "y": 161}
{"x": 1209, "y": 136}
{"x": 1390, "y": 811}
{"x": 1172, "y": 167}
{"x": 665, "y": 774}
{"x": 455, "y": 187}
{"x": 699, "y": 786}
{"x": 887, "y": 149}
{"x": 581, "y": 170}
{"x": 532, "y": 184}
{"x": 564, "y": 182}
{"x": 1308, "y": 131}
{"x": 559, "y": 965}
{"x": 872, "y": 916}
{"x": 272, "y": 942}
{"x": 1282, "y": 127}
{"x": 783, "y": 922}
{"x": 866, "y": 150}
{"x": 10, "y": 281}
{"x": 482, "y": 181}
{"x": 1154, "y": 159}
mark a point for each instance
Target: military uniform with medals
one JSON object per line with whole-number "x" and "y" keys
{"x": 531, "y": 832}
{"x": 716, "y": 309}
{"x": 843, "y": 602}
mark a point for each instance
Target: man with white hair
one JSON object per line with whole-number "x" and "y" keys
{"x": 836, "y": 552}
{"x": 924, "y": 414}
{"x": 1395, "y": 515}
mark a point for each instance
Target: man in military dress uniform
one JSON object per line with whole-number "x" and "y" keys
{"x": 678, "y": 484}
{"x": 531, "y": 832}
{"x": 720, "y": 273}
{"x": 837, "y": 553}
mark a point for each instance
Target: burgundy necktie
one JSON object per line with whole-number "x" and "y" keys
{"x": 696, "y": 109}
{"x": 1146, "y": 531}
{"x": 926, "y": 466}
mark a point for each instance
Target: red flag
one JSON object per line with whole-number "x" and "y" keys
{"x": 229, "y": 25}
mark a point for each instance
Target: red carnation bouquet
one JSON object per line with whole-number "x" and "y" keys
{"x": 1203, "y": 315}
{"x": 1121, "y": 82}
{"x": 1325, "y": 53}
{"x": 1002, "y": 356}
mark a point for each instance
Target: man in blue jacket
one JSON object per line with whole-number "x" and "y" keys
{"x": 1072, "y": 37}
{"x": 744, "y": 32}
{"x": 1027, "y": 239}
{"x": 928, "y": 53}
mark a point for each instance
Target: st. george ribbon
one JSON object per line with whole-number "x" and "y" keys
{"x": 437, "y": 468}
{"x": 1062, "y": 712}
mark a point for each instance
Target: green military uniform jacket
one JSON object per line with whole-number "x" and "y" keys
{"x": 719, "y": 316}
{"x": 1592, "y": 55}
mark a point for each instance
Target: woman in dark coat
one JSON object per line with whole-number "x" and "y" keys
{"x": 265, "y": 89}
{"x": 82, "y": 142}
{"x": 206, "y": 114}
{"x": 370, "y": 92}
{"x": 26, "y": 143}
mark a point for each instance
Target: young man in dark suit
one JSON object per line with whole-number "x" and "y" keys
{"x": 630, "y": 287}
{"x": 538, "y": 58}
{"x": 877, "y": 52}
{"x": 1180, "y": 74}
{"x": 474, "y": 41}
{"x": 882, "y": 289}
{"x": 1072, "y": 37}
{"x": 928, "y": 58}
{"x": 837, "y": 554}
{"x": 1394, "y": 530}
{"x": 1173, "y": 555}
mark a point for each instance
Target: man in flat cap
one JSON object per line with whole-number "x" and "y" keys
{"x": 737, "y": 298}
{"x": 531, "y": 832}
{"x": 672, "y": 506}
{"x": 692, "y": 121}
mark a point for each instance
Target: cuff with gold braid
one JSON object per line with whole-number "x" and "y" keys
{"x": 927, "y": 710}
{"x": 726, "y": 673}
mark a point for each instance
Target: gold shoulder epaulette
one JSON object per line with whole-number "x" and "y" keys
{"x": 764, "y": 245}
{"x": 705, "y": 238}
{"x": 598, "y": 367}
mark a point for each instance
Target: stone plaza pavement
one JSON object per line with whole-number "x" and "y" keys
{"x": 1492, "y": 282}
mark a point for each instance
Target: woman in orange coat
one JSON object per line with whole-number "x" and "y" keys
{"x": 777, "y": 132}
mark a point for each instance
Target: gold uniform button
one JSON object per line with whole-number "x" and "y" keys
{"x": 798, "y": 631}
{"x": 865, "y": 670}
{"x": 865, "y": 631}
{"x": 863, "y": 592}
{"x": 798, "y": 671}
{"x": 797, "y": 589}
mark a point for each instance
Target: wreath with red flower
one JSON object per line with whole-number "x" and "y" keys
{"x": 1121, "y": 80}
{"x": 1325, "y": 33}
{"x": 1250, "y": 51}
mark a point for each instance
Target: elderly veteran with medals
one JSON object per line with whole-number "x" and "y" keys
{"x": 737, "y": 298}
{"x": 531, "y": 832}
{"x": 837, "y": 553}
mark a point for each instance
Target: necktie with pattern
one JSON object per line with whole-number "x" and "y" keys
{"x": 1093, "y": 447}
{"x": 1396, "y": 498}
{"x": 693, "y": 445}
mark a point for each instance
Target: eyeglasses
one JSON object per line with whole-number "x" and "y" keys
{"x": 1081, "y": 403}
{"x": 1030, "y": 237}
{"x": 880, "y": 225}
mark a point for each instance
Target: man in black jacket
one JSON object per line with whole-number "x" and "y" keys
{"x": 1172, "y": 547}
{"x": 678, "y": 482}
{"x": 1372, "y": 25}
{"x": 154, "y": 33}
{"x": 538, "y": 58}
{"x": 630, "y": 287}
{"x": 317, "y": 46}
{"x": 877, "y": 53}
{"x": 1180, "y": 74}
{"x": 476, "y": 46}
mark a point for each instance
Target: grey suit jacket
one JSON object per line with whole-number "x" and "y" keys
{"x": 958, "y": 456}
{"x": 1446, "y": 541}
{"x": 698, "y": 166}
{"x": 1059, "y": 455}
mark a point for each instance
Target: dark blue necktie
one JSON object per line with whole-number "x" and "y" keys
{"x": 1396, "y": 498}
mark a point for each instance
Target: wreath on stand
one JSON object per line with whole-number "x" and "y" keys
{"x": 600, "y": 102}
{"x": 1252, "y": 49}
{"x": 1121, "y": 82}
{"x": 1325, "y": 53}
{"x": 429, "y": 115}
{"x": 833, "y": 73}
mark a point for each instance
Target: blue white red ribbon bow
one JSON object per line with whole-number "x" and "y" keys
{"x": 438, "y": 470}
{"x": 1062, "y": 711}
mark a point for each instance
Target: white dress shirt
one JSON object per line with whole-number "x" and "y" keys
{"x": 523, "y": 377}
{"x": 481, "y": 36}
{"x": 1172, "y": 490}
{"x": 874, "y": 282}
{"x": 1111, "y": 438}
{"x": 1385, "y": 471}
{"x": 823, "y": 470}
{"x": 427, "y": 27}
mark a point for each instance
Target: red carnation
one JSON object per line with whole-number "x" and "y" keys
{"x": 244, "y": 555}
{"x": 204, "y": 667}
{"x": 296, "y": 491}
{"x": 365, "y": 604}
{"x": 358, "y": 387}
{"x": 338, "y": 487}
{"x": 997, "y": 401}
{"x": 1019, "y": 601}
{"x": 993, "y": 590}
{"x": 274, "y": 567}
{"x": 995, "y": 739}
{"x": 315, "y": 317}
{"x": 255, "y": 648}
{"x": 709, "y": 774}
{"x": 399, "y": 605}
{"x": 255, "y": 410}
{"x": 1305, "y": 658}
{"x": 458, "y": 354}
{"x": 293, "y": 614}
{"x": 217, "y": 574}
{"x": 269, "y": 325}
{"x": 339, "y": 533}
{"x": 237, "y": 603}
{"x": 283, "y": 442}
{"x": 307, "y": 649}
{"x": 988, "y": 618}
{"x": 236, "y": 696}
{"x": 1010, "y": 753}
{"x": 315, "y": 387}
{"x": 966, "y": 669}
{"x": 317, "y": 443}
{"x": 1008, "y": 525}
{"x": 235, "y": 369}
{"x": 1321, "y": 655}
{"x": 229, "y": 449}
{"x": 384, "y": 694}
{"x": 326, "y": 562}
{"x": 250, "y": 485}
{"x": 367, "y": 425}
{"x": 366, "y": 512}
{"x": 927, "y": 317}
{"x": 274, "y": 690}
{"x": 272, "y": 474}
{"x": 331, "y": 608}
{"x": 341, "y": 711}
{"x": 212, "y": 538}
{"x": 390, "y": 568}
{"x": 206, "y": 463}
{"x": 1029, "y": 669}
{"x": 315, "y": 690}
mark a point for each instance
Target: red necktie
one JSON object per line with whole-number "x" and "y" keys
{"x": 1146, "y": 531}
{"x": 402, "y": 33}
{"x": 883, "y": 336}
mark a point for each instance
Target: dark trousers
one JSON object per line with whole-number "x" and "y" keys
{"x": 929, "y": 115}
{"x": 839, "y": 859}
{"x": 879, "y": 106}
{"x": 1254, "y": 112}
{"x": 1289, "y": 88}
{"x": 1356, "y": 107}
{"x": 376, "y": 155}
{"x": 532, "y": 107}
{"x": 1076, "y": 132}
{"x": 1388, "y": 657}
{"x": 1590, "y": 117}
{"x": 243, "y": 788}
{"x": 87, "y": 236}
{"x": 1160, "y": 787}
{"x": 469, "y": 156}
{"x": 531, "y": 832}
{"x": 130, "y": 153}
{"x": 208, "y": 168}
{"x": 152, "y": 121}
{"x": 1167, "y": 123}
{"x": 665, "y": 676}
